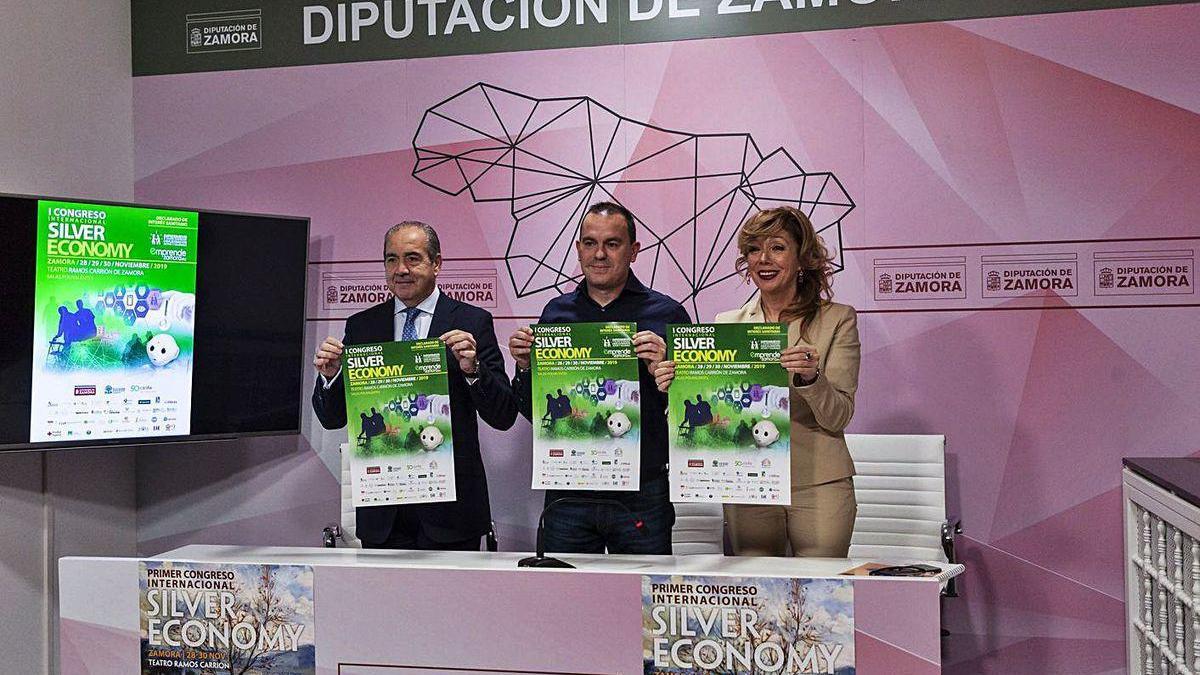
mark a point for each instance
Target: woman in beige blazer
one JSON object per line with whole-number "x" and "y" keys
{"x": 781, "y": 253}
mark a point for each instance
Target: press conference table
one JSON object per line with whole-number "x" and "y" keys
{"x": 420, "y": 613}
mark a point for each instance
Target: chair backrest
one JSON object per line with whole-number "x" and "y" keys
{"x": 348, "y": 522}
{"x": 699, "y": 529}
{"x": 901, "y": 491}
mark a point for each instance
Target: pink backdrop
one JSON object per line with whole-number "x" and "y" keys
{"x": 1066, "y": 140}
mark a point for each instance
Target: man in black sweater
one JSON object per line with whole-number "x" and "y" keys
{"x": 607, "y": 247}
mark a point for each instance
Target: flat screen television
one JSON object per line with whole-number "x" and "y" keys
{"x": 129, "y": 324}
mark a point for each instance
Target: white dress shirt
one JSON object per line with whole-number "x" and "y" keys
{"x": 423, "y": 319}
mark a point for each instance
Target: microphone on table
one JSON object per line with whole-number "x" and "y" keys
{"x": 539, "y": 558}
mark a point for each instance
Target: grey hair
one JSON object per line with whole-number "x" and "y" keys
{"x": 433, "y": 246}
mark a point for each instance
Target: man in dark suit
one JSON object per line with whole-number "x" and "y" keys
{"x": 478, "y": 384}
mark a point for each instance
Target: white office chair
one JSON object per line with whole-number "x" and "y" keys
{"x": 699, "y": 529}
{"x": 901, "y": 493}
{"x": 900, "y": 487}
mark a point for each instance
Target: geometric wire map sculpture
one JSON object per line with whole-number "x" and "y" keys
{"x": 550, "y": 158}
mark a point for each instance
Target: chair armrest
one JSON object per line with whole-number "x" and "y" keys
{"x": 330, "y": 535}
{"x": 950, "y": 531}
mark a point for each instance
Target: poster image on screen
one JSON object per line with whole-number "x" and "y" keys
{"x": 133, "y": 323}
{"x": 114, "y": 322}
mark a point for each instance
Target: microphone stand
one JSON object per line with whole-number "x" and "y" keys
{"x": 539, "y": 558}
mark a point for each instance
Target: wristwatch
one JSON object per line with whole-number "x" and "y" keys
{"x": 798, "y": 382}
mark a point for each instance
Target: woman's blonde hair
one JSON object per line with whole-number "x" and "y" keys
{"x": 812, "y": 284}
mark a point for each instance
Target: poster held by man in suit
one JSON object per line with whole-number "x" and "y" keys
{"x": 478, "y": 389}
{"x": 398, "y": 406}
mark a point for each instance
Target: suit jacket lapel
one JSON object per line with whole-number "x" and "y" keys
{"x": 382, "y": 326}
{"x": 752, "y": 313}
{"x": 442, "y": 316}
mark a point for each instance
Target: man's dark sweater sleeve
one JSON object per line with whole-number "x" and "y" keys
{"x": 492, "y": 395}
{"x": 522, "y": 381}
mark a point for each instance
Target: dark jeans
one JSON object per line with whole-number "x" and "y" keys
{"x": 592, "y": 528}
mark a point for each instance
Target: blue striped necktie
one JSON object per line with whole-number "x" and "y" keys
{"x": 410, "y": 323}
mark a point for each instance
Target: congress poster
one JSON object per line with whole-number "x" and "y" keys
{"x": 398, "y": 422}
{"x": 728, "y": 411}
{"x": 226, "y": 618}
{"x": 747, "y": 625}
{"x": 587, "y": 414}
{"x": 114, "y": 322}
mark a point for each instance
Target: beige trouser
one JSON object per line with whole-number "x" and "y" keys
{"x": 817, "y": 524}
